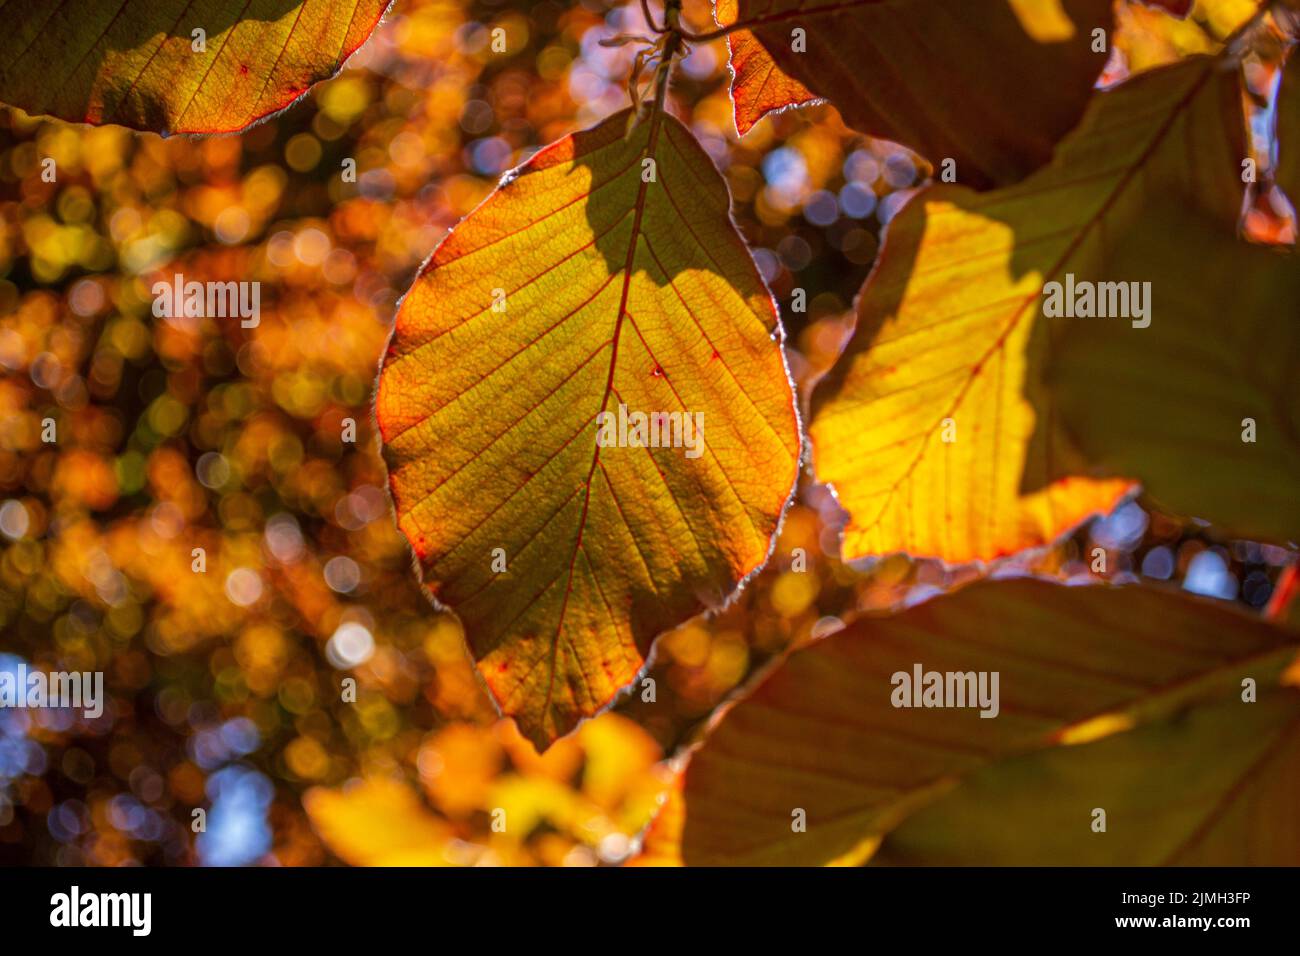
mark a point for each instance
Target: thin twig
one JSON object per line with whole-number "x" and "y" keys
{"x": 649, "y": 18}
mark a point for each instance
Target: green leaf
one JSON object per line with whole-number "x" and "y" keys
{"x": 138, "y": 63}
{"x": 1203, "y": 405}
{"x": 1215, "y": 785}
{"x": 821, "y": 733}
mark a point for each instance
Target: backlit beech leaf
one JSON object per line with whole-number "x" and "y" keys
{"x": 606, "y": 274}
{"x": 822, "y": 733}
{"x": 1216, "y": 785}
{"x": 991, "y": 84}
{"x": 141, "y": 63}
{"x": 934, "y": 427}
{"x": 758, "y": 85}
{"x": 1203, "y": 406}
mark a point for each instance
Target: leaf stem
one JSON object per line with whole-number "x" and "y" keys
{"x": 649, "y": 18}
{"x": 717, "y": 34}
{"x": 666, "y": 48}
{"x": 672, "y": 45}
{"x": 672, "y": 24}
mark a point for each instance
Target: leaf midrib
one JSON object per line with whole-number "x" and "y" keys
{"x": 652, "y": 141}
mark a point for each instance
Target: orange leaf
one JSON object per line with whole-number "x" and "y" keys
{"x": 990, "y": 84}
{"x": 604, "y": 280}
{"x": 758, "y": 85}
{"x": 141, "y": 63}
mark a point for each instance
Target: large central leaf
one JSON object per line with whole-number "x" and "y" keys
{"x": 935, "y": 427}
{"x": 141, "y": 63}
{"x": 606, "y": 274}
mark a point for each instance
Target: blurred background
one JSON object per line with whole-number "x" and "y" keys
{"x": 174, "y": 434}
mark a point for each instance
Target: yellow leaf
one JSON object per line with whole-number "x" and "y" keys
{"x": 934, "y": 427}
{"x": 1077, "y": 668}
{"x": 1149, "y": 36}
{"x": 661, "y": 843}
{"x": 990, "y": 84}
{"x": 620, "y": 760}
{"x": 604, "y": 281}
{"x": 378, "y": 822}
{"x": 141, "y": 63}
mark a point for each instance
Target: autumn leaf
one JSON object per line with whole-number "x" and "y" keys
{"x": 1076, "y": 665}
{"x": 1213, "y": 786}
{"x": 934, "y": 427}
{"x": 172, "y": 66}
{"x": 991, "y": 84}
{"x": 1151, "y": 36}
{"x": 604, "y": 280}
{"x": 758, "y": 85}
{"x": 378, "y": 822}
{"x": 1203, "y": 405}
{"x": 661, "y": 843}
